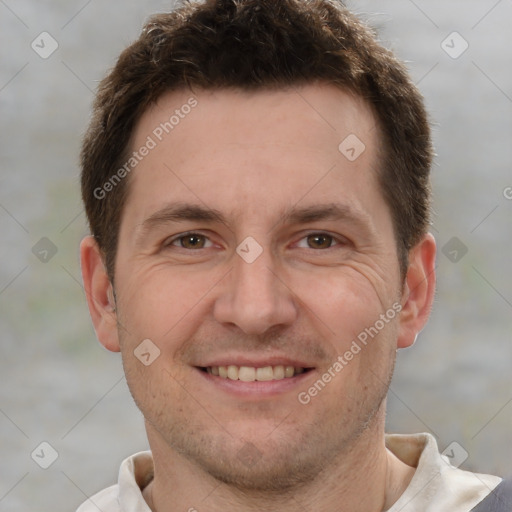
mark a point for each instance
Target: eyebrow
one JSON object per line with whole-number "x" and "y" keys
{"x": 184, "y": 212}
{"x": 313, "y": 213}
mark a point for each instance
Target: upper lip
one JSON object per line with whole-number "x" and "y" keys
{"x": 256, "y": 361}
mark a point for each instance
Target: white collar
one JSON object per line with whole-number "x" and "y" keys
{"x": 436, "y": 485}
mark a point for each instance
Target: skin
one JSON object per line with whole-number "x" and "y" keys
{"x": 253, "y": 157}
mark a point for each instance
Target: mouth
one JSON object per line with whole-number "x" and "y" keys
{"x": 255, "y": 377}
{"x": 255, "y": 374}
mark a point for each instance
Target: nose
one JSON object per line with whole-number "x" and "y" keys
{"x": 254, "y": 297}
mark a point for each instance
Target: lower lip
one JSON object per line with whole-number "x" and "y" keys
{"x": 257, "y": 389}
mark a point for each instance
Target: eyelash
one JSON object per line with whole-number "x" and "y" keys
{"x": 337, "y": 241}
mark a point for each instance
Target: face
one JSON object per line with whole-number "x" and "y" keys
{"x": 256, "y": 243}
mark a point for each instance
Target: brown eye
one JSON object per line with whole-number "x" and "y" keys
{"x": 190, "y": 241}
{"x": 319, "y": 241}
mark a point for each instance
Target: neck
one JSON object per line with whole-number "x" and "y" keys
{"x": 367, "y": 478}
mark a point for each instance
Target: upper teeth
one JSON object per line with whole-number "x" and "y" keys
{"x": 250, "y": 373}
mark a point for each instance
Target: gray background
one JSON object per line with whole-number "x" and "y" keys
{"x": 60, "y": 386}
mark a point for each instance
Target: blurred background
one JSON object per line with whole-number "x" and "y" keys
{"x": 59, "y": 386}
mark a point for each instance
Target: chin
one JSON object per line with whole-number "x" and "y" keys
{"x": 251, "y": 470}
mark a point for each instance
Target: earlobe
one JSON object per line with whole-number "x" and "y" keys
{"x": 419, "y": 291}
{"x": 99, "y": 294}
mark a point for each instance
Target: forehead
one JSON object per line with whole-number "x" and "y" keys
{"x": 242, "y": 150}
{"x": 321, "y": 107}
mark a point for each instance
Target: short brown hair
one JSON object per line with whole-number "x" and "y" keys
{"x": 250, "y": 45}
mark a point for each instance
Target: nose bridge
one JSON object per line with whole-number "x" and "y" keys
{"x": 255, "y": 299}
{"x": 255, "y": 281}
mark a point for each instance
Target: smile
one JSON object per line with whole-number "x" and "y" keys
{"x": 252, "y": 374}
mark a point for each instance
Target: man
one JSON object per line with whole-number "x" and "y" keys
{"x": 256, "y": 179}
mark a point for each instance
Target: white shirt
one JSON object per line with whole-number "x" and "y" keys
{"x": 436, "y": 486}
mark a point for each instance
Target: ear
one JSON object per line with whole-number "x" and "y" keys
{"x": 419, "y": 290}
{"x": 99, "y": 294}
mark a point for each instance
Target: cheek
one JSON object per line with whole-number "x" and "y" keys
{"x": 164, "y": 303}
{"x": 343, "y": 301}
{"x": 359, "y": 375}
{"x": 359, "y": 326}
